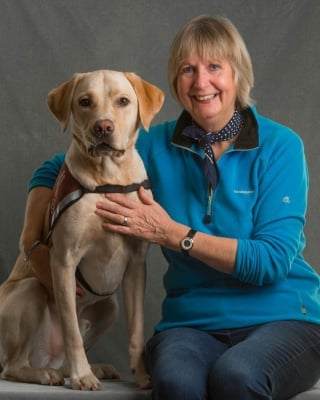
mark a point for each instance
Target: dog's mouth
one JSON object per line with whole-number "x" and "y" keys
{"x": 104, "y": 148}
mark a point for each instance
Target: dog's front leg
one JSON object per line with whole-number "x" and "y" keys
{"x": 63, "y": 275}
{"x": 133, "y": 297}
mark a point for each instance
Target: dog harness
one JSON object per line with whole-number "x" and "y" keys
{"x": 67, "y": 190}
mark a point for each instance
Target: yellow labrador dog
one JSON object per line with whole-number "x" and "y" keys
{"x": 42, "y": 341}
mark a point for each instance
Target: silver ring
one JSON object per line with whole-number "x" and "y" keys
{"x": 125, "y": 221}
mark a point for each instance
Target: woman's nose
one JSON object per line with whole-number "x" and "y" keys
{"x": 201, "y": 78}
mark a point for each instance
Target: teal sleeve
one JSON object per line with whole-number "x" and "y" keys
{"x": 47, "y": 173}
{"x": 278, "y": 240}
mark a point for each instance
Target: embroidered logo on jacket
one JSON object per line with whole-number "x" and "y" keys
{"x": 239, "y": 191}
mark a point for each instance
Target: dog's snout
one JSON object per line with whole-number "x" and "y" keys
{"x": 103, "y": 127}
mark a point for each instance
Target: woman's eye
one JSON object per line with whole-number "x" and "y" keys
{"x": 186, "y": 69}
{"x": 85, "y": 102}
{"x": 123, "y": 101}
{"x": 214, "y": 67}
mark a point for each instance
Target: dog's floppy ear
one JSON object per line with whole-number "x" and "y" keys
{"x": 59, "y": 100}
{"x": 150, "y": 98}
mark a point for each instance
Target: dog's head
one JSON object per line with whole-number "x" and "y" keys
{"x": 105, "y": 108}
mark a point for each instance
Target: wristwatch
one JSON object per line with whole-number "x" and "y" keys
{"x": 187, "y": 242}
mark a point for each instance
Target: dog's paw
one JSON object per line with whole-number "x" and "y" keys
{"x": 105, "y": 371}
{"x": 51, "y": 377}
{"x": 87, "y": 382}
{"x": 143, "y": 381}
{"x": 42, "y": 376}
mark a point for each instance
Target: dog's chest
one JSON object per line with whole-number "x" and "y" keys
{"x": 79, "y": 241}
{"x": 80, "y": 229}
{"x": 102, "y": 257}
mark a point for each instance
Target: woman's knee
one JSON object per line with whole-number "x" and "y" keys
{"x": 177, "y": 375}
{"x": 229, "y": 381}
{"x": 178, "y": 363}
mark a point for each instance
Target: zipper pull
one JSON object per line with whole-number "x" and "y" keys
{"x": 208, "y": 217}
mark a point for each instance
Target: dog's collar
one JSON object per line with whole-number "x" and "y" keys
{"x": 133, "y": 187}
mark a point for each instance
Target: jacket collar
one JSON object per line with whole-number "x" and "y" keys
{"x": 247, "y": 139}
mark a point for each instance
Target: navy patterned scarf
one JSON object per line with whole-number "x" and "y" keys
{"x": 205, "y": 140}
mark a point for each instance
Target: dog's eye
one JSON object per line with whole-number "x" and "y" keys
{"x": 85, "y": 102}
{"x": 123, "y": 101}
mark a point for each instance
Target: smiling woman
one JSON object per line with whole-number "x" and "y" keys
{"x": 231, "y": 294}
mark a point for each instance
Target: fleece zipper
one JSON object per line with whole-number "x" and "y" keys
{"x": 208, "y": 216}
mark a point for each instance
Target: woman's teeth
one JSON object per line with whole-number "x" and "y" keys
{"x": 207, "y": 97}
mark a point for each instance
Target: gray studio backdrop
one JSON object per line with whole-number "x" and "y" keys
{"x": 43, "y": 42}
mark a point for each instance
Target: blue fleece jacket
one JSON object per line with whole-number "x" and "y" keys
{"x": 261, "y": 200}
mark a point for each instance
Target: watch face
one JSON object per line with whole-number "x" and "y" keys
{"x": 187, "y": 243}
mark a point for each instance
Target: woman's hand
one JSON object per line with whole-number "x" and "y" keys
{"x": 145, "y": 220}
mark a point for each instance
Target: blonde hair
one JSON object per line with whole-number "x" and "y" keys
{"x": 213, "y": 37}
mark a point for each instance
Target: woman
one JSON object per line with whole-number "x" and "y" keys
{"x": 241, "y": 315}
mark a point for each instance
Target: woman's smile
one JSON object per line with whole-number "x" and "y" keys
{"x": 205, "y": 97}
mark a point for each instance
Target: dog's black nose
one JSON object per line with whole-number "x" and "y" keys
{"x": 103, "y": 127}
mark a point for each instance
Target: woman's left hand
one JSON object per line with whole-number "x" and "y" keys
{"x": 144, "y": 219}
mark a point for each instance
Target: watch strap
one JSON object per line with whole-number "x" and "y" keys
{"x": 191, "y": 233}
